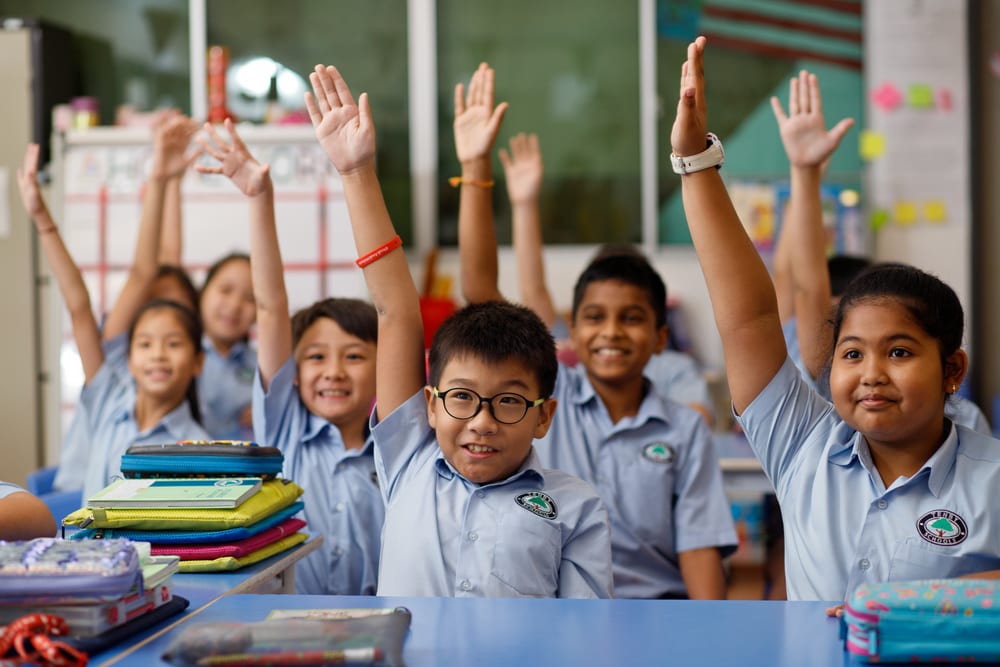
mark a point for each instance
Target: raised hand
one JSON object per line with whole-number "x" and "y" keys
{"x": 171, "y": 139}
{"x": 344, "y": 129}
{"x": 235, "y": 161}
{"x": 687, "y": 137}
{"x": 27, "y": 184}
{"x": 803, "y": 131}
{"x": 523, "y": 168}
{"x": 476, "y": 120}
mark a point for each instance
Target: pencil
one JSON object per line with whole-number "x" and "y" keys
{"x": 347, "y": 656}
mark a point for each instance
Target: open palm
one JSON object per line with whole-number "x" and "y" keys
{"x": 803, "y": 131}
{"x": 235, "y": 161}
{"x": 344, "y": 129}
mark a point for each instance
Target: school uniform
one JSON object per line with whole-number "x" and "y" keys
{"x": 109, "y": 404}
{"x": 537, "y": 533}
{"x": 6, "y": 488}
{"x": 74, "y": 450}
{"x": 342, "y": 499}
{"x": 843, "y": 527}
{"x": 225, "y": 388}
{"x": 676, "y": 375}
{"x": 790, "y": 331}
{"x": 658, "y": 474}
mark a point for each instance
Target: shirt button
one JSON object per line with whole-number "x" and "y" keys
{"x": 480, "y": 494}
{"x": 882, "y": 504}
{"x": 337, "y": 551}
{"x": 473, "y": 536}
{"x": 466, "y": 585}
{"x": 339, "y": 507}
{"x": 864, "y": 564}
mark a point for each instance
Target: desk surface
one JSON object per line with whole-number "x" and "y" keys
{"x": 487, "y": 632}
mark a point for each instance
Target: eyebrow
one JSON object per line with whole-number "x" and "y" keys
{"x": 890, "y": 339}
{"x": 466, "y": 383}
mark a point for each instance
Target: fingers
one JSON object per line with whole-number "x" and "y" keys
{"x": 365, "y": 121}
{"x": 838, "y": 131}
{"x": 779, "y": 113}
{"x": 805, "y": 100}
{"x": 314, "y": 114}
{"x": 340, "y": 85}
{"x": 459, "y": 99}
{"x": 793, "y": 97}
{"x": 323, "y": 89}
{"x": 231, "y": 129}
{"x": 815, "y": 99}
{"x": 505, "y": 159}
{"x": 496, "y": 118}
{"x": 30, "y": 165}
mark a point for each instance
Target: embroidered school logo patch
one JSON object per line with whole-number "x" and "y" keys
{"x": 659, "y": 452}
{"x": 538, "y": 503}
{"x": 942, "y": 527}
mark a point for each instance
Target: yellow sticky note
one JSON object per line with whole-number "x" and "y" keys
{"x": 871, "y": 144}
{"x": 904, "y": 212}
{"x": 879, "y": 218}
{"x": 920, "y": 96}
{"x": 935, "y": 211}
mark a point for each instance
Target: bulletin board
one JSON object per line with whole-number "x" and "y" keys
{"x": 101, "y": 173}
{"x": 916, "y": 138}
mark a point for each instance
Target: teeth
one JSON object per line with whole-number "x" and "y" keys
{"x": 479, "y": 449}
{"x": 610, "y": 352}
{"x": 328, "y": 393}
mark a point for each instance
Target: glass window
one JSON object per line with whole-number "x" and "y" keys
{"x": 572, "y": 77}
{"x": 365, "y": 39}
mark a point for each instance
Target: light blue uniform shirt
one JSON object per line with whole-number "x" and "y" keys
{"x": 658, "y": 474}
{"x": 538, "y": 533}
{"x": 676, "y": 375}
{"x": 342, "y": 499}
{"x": 74, "y": 451}
{"x": 110, "y": 410}
{"x": 225, "y": 388}
{"x": 790, "y": 330}
{"x": 843, "y": 527}
{"x": 6, "y": 488}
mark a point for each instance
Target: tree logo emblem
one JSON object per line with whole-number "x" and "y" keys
{"x": 942, "y": 527}
{"x": 659, "y": 452}
{"x": 538, "y": 503}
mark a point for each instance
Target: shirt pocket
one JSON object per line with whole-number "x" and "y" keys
{"x": 527, "y": 554}
{"x": 915, "y": 560}
{"x": 645, "y": 499}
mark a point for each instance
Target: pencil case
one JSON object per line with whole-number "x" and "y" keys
{"x": 202, "y": 458}
{"x": 48, "y": 568}
{"x": 164, "y": 537}
{"x": 227, "y": 563}
{"x": 236, "y": 549}
{"x": 938, "y": 620}
{"x": 313, "y": 637}
{"x": 274, "y": 495}
{"x": 118, "y": 634}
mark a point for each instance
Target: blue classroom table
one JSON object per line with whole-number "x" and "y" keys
{"x": 607, "y": 633}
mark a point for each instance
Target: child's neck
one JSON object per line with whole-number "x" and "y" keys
{"x": 353, "y": 434}
{"x": 222, "y": 347}
{"x": 149, "y": 412}
{"x": 895, "y": 460}
{"x": 620, "y": 400}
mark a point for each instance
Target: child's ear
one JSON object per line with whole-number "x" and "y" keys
{"x": 199, "y": 361}
{"x": 955, "y": 367}
{"x": 546, "y": 411}
{"x": 662, "y": 336}
{"x": 431, "y": 415}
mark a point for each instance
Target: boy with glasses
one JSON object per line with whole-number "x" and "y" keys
{"x": 469, "y": 509}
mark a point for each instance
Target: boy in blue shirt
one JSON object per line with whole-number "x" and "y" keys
{"x": 651, "y": 459}
{"x": 469, "y": 509}
{"x": 312, "y": 395}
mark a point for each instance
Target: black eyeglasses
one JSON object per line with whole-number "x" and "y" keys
{"x": 506, "y": 408}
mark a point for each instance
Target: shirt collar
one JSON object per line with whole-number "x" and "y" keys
{"x": 650, "y": 408}
{"x": 318, "y": 427}
{"x": 236, "y": 352}
{"x": 176, "y": 423}
{"x": 531, "y": 467}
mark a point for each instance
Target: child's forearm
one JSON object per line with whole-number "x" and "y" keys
{"x": 477, "y": 242}
{"x": 528, "y": 251}
{"x": 274, "y": 335}
{"x": 704, "y": 577}
{"x": 171, "y": 239}
{"x": 811, "y": 279}
{"x": 400, "y": 364}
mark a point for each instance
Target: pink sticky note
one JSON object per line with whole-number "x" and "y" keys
{"x": 944, "y": 99}
{"x": 887, "y": 97}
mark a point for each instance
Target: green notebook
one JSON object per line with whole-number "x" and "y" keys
{"x": 225, "y": 492}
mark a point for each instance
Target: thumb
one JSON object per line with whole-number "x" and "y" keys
{"x": 365, "y": 120}
{"x": 838, "y": 131}
{"x": 497, "y": 118}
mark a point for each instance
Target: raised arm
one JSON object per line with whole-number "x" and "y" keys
{"x": 346, "y": 132}
{"x": 746, "y": 311}
{"x": 171, "y": 158}
{"x": 67, "y": 274}
{"x": 23, "y": 516}
{"x": 522, "y": 168}
{"x": 253, "y": 179}
{"x": 808, "y": 145}
{"x": 477, "y": 122}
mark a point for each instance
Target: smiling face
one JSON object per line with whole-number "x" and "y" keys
{"x": 614, "y": 332}
{"x": 228, "y": 309}
{"x": 482, "y": 449}
{"x": 335, "y": 374}
{"x": 887, "y": 379}
{"x": 162, "y": 357}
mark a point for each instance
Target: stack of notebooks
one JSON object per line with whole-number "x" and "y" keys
{"x": 102, "y": 591}
{"x": 229, "y": 512}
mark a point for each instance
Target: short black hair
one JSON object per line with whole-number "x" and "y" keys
{"x": 183, "y": 280}
{"x": 495, "y": 332}
{"x": 843, "y": 269}
{"x": 354, "y": 316}
{"x": 630, "y": 268}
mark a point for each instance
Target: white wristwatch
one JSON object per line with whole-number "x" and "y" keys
{"x": 712, "y": 156}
